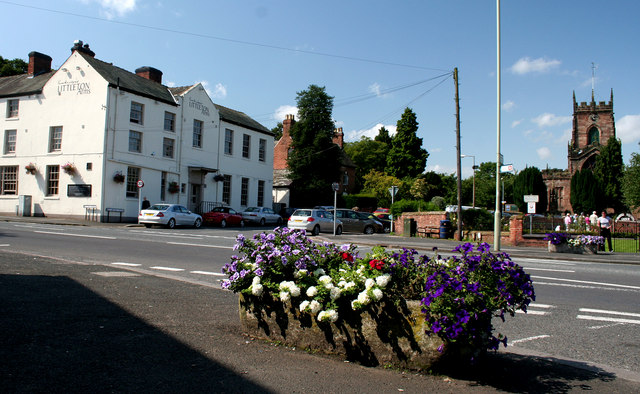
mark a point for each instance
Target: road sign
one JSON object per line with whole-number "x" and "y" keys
{"x": 506, "y": 168}
{"x": 335, "y": 186}
{"x": 140, "y": 184}
{"x": 531, "y": 198}
{"x": 393, "y": 190}
{"x": 531, "y": 207}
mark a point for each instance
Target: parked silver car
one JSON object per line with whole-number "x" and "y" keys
{"x": 314, "y": 221}
{"x": 169, "y": 215}
{"x": 352, "y": 221}
{"x": 261, "y": 216}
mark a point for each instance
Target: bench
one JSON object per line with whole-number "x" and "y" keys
{"x": 428, "y": 231}
{"x": 117, "y": 210}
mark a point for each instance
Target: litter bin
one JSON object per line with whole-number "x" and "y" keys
{"x": 445, "y": 226}
{"x": 410, "y": 228}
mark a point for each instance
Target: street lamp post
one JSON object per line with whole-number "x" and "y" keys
{"x": 474, "y": 178}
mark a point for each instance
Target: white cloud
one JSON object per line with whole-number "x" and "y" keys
{"x": 527, "y": 65}
{"x": 376, "y": 89}
{"x": 219, "y": 91}
{"x": 355, "y": 135}
{"x": 628, "y": 128}
{"x": 509, "y": 105}
{"x": 547, "y": 120}
{"x": 441, "y": 170}
{"x": 111, "y": 8}
{"x": 544, "y": 153}
{"x": 565, "y": 137}
{"x": 283, "y": 111}
{"x": 515, "y": 123}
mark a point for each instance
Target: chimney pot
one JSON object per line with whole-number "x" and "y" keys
{"x": 150, "y": 73}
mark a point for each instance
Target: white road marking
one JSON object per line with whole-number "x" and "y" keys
{"x": 126, "y": 264}
{"x": 606, "y": 312}
{"x": 588, "y": 282}
{"x": 546, "y": 262}
{"x": 529, "y": 339}
{"x": 547, "y": 269}
{"x": 204, "y": 246}
{"x": 611, "y": 319}
{"x": 154, "y": 234}
{"x": 207, "y": 273}
{"x": 74, "y": 235}
{"x": 532, "y": 312}
{"x": 544, "y": 306}
{"x": 605, "y": 326}
{"x": 583, "y": 286}
{"x": 5, "y": 245}
{"x": 167, "y": 268}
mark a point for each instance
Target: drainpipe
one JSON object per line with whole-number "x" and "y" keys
{"x": 179, "y": 161}
{"x": 105, "y": 149}
{"x": 115, "y": 120}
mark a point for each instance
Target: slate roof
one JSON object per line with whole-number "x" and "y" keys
{"x": 23, "y": 84}
{"x": 241, "y": 119}
{"x": 128, "y": 81}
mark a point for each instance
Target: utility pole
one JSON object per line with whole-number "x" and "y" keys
{"x": 458, "y": 159}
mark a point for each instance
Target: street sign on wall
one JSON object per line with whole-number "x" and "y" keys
{"x": 531, "y": 198}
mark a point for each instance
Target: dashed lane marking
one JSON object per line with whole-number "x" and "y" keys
{"x": 207, "y": 273}
{"x": 529, "y": 339}
{"x": 167, "y": 269}
{"x": 547, "y": 269}
{"x": 607, "y": 318}
{"x": 126, "y": 264}
{"x": 587, "y": 282}
{"x": 74, "y": 235}
{"x": 607, "y": 312}
{"x": 201, "y": 245}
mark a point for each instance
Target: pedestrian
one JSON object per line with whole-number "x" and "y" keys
{"x": 605, "y": 229}
{"x": 145, "y": 203}
{"x": 567, "y": 221}
{"x": 593, "y": 219}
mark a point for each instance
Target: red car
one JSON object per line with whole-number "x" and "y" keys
{"x": 223, "y": 217}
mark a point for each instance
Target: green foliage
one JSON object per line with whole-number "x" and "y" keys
{"x": 406, "y": 156}
{"x": 609, "y": 167}
{"x": 529, "y": 182}
{"x": 586, "y": 192}
{"x": 631, "y": 182}
{"x": 315, "y": 160}
{"x": 439, "y": 202}
{"x": 378, "y": 183}
{"x": 277, "y": 131}
{"x": 401, "y": 206}
{"x": 383, "y": 136}
{"x": 361, "y": 201}
{"x": 367, "y": 155}
{"x": 12, "y": 67}
{"x": 442, "y": 185}
{"x": 477, "y": 219}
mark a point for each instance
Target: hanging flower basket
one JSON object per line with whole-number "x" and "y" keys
{"x": 173, "y": 187}
{"x": 31, "y": 169}
{"x": 118, "y": 177}
{"x": 69, "y": 168}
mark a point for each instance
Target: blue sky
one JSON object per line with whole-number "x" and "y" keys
{"x": 375, "y": 58}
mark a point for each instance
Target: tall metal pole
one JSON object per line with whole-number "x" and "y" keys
{"x": 455, "y": 80}
{"x": 496, "y": 223}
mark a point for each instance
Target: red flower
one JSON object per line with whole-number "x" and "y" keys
{"x": 347, "y": 256}
{"x": 376, "y": 264}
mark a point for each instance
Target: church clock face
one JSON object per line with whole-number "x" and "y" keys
{"x": 594, "y": 117}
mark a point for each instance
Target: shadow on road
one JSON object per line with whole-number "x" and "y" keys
{"x": 59, "y": 336}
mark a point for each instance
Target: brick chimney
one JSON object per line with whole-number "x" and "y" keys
{"x": 78, "y": 46}
{"x": 39, "y": 63}
{"x": 281, "y": 149}
{"x": 150, "y": 73}
{"x": 287, "y": 123}
{"x": 338, "y": 137}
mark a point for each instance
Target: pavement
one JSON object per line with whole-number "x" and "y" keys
{"x": 74, "y": 327}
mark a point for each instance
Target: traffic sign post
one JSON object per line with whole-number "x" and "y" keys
{"x": 335, "y": 186}
{"x": 140, "y": 185}
{"x": 392, "y": 190}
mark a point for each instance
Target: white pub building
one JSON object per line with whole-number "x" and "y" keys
{"x": 91, "y": 140}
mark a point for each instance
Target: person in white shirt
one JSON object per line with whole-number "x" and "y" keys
{"x": 593, "y": 219}
{"x": 605, "y": 228}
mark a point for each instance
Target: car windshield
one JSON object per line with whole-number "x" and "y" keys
{"x": 158, "y": 207}
{"x": 252, "y": 209}
{"x": 302, "y": 212}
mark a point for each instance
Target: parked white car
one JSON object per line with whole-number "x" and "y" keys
{"x": 169, "y": 215}
{"x": 314, "y": 221}
{"x": 261, "y": 216}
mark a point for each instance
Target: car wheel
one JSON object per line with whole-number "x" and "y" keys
{"x": 368, "y": 230}
{"x": 339, "y": 230}
{"x": 262, "y": 222}
{"x": 223, "y": 223}
{"x": 197, "y": 223}
{"x": 316, "y": 230}
{"x": 171, "y": 223}
{"x": 147, "y": 225}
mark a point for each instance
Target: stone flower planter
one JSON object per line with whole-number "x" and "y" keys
{"x": 383, "y": 335}
{"x": 566, "y": 248}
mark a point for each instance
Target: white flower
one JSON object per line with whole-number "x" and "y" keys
{"x": 335, "y": 293}
{"x": 315, "y": 306}
{"x": 284, "y": 296}
{"x": 318, "y": 272}
{"x": 324, "y": 279}
{"x": 304, "y": 305}
{"x": 256, "y": 289}
{"x": 312, "y": 291}
{"x": 377, "y": 294}
{"x": 363, "y": 298}
{"x": 294, "y": 290}
{"x": 369, "y": 283}
{"x": 383, "y": 280}
{"x": 330, "y": 316}
{"x": 256, "y": 280}
{"x": 300, "y": 273}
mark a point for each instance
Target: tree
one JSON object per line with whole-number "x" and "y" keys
{"x": 406, "y": 156}
{"x": 277, "y": 131}
{"x": 314, "y": 162}
{"x": 378, "y": 184}
{"x": 529, "y": 181}
{"x": 631, "y": 182}
{"x": 367, "y": 155}
{"x": 383, "y": 136}
{"x": 586, "y": 192}
{"x": 12, "y": 67}
{"x": 608, "y": 168}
